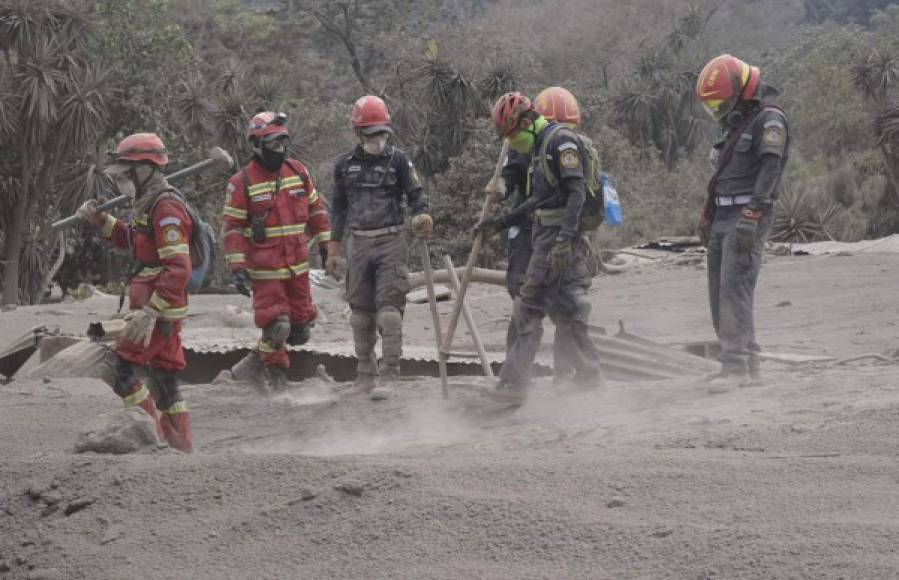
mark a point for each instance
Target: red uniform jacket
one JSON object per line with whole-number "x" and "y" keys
{"x": 161, "y": 243}
{"x": 292, "y": 216}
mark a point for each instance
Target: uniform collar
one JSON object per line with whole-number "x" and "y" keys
{"x": 359, "y": 153}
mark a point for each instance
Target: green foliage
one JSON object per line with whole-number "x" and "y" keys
{"x": 844, "y": 11}
{"x": 658, "y": 109}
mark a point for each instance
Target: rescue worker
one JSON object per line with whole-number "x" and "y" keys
{"x": 559, "y": 105}
{"x": 158, "y": 235}
{"x": 271, "y": 214}
{"x": 558, "y": 273}
{"x": 371, "y": 184}
{"x": 750, "y": 159}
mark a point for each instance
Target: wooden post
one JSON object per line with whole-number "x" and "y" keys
{"x": 435, "y": 316}
{"x": 494, "y": 188}
{"x": 469, "y": 319}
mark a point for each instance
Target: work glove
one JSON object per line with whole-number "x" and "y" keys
{"x": 422, "y": 225}
{"x": 491, "y": 227}
{"x": 140, "y": 326}
{"x": 242, "y": 282}
{"x": 704, "y": 231}
{"x": 88, "y": 212}
{"x": 747, "y": 226}
{"x": 335, "y": 266}
{"x": 560, "y": 256}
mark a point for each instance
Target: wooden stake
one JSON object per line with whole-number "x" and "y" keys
{"x": 469, "y": 319}
{"x": 435, "y": 316}
{"x": 495, "y": 188}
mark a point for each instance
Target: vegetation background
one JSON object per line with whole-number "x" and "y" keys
{"x": 76, "y": 75}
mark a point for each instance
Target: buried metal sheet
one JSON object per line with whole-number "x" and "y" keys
{"x": 17, "y": 354}
{"x": 210, "y": 350}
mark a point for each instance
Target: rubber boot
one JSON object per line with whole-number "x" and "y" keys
{"x": 149, "y": 407}
{"x": 506, "y": 392}
{"x": 385, "y": 385}
{"x": 363, "y": 385}
{"x": 251, "y": 370}
{"x": 277, "y": 379}
{"x": 175, "y": 424}
{"x": 140, "y": 397}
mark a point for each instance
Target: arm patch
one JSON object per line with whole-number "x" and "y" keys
{"x": 172, "y": 235}
{"x": 569, "y": 158}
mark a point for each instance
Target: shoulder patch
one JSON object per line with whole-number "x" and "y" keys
{"x": 569, "y": 158}
{"x": 773, "y": 135}
{"x": 169, "y": 221}
{"x": 172, "y": 235}
{"x": 567, "y": 145}
{"x": 230, "y": 188}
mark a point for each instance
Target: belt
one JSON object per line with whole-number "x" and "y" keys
{"x": 550, "y": 217}
{"x": 378, "y": 232}
{"x": 728, "y": 200}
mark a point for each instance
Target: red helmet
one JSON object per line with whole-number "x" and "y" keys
{"x": 723, "y": 82}
{"x": 508, "y": 110}
{"x": 370, "y": 115}
{"x": 267, "y": 125}
{"x": 142, "y": 148}
{"x": 557, "y": 104}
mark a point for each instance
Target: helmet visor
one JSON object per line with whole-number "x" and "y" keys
{"x": 719, "y": 108}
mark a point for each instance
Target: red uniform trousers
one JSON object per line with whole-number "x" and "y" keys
{"x": 274, "y": 298}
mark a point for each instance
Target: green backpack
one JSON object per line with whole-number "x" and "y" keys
{"x": 593, "y": 211}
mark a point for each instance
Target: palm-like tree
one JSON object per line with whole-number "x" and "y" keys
{"x": 61, "y": 102}
{"x": 658, "y": 109}
{"x": 877, "y": 77}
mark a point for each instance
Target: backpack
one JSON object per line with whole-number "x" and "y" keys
{"x": 202, "y": 240}
{"x": 592, "y": 213}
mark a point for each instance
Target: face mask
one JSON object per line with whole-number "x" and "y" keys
{"x": 375, "y": 145}
{"x": 523, "y": 141}
{"x": 124, "y": 185}
{"x": 271, "y": 159}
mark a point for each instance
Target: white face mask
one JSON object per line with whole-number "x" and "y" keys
{"x": 375, "y": 145}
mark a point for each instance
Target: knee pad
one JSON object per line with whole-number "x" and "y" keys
{"x": 390, "y": 321}
{"x": 124, "y": 377}
{"x": 583, "y": 308}
{"x": 299, "y": 334}
{"x": 277, "y": 332}
{"x": 166, "y": 389}
{"x": 360, "y": 320}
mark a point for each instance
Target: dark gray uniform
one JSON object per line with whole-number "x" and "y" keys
{"x": 515, "y": 175}
{"x": 368, "y": 201}
{"x": 544, "y": 292}
{"x": 520, "y": 248}
{"x": 751, "y": 177}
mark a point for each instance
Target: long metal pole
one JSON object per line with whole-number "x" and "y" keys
{"x": 217, "y": 155}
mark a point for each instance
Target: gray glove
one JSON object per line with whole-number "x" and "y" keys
{"x": 560, "y": 256}
{"x": 335, "y": 266}
{"x": 88, "y": 212}
{"x": 140, "y": 326}
{"x": 747, "y": 228}
{"x": 242, "y": 282}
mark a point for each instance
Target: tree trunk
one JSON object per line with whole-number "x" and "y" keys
{"x": 15, "y": 239}
{"x": 891, "y": 175}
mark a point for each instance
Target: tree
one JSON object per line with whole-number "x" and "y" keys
{"x": 877, "y": 78}
{"x": 49, "y": 124}
{"x": 658, "y": 109}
